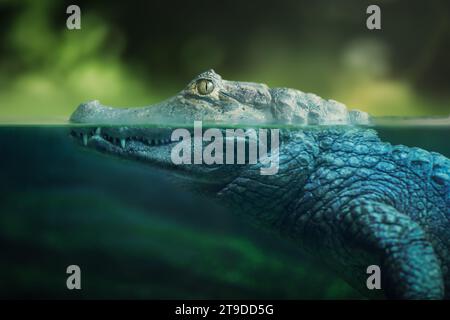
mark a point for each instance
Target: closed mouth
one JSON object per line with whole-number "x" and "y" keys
{"x": 122, "y": 137}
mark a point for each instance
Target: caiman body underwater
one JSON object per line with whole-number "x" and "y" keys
{"x": 343, "y": 195}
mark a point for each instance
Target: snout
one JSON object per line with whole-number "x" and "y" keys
{"x": 93, "y": 112}
{"x": 105, "y": 125}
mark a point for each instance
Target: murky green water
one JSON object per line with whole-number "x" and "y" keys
{"x": 137, "y": 235}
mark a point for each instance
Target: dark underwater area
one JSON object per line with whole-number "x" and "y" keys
{"x": 136, "y": 234}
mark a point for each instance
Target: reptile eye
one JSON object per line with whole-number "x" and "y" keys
{"x": 205, "y": 86}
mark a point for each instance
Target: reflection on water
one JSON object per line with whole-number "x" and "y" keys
{"x": 411, "y": 121}
{"x": 375, "y": 122}
{"x": 136, "y": 234}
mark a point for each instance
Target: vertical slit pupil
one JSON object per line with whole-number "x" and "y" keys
{"x": 205, "y": 86}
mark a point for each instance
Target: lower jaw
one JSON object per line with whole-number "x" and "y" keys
{"x": 155, "y": 152}
{"x": 189, "y": 176}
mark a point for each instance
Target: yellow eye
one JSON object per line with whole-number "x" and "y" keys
{"x": 205, "y": 86}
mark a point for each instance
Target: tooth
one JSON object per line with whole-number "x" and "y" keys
{"x": 122, "y": 143}
{"x": 98, "y": 131}
{"x": 85, "y": 138}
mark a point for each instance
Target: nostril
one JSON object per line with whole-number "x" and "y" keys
{"x": 85, "y": 111}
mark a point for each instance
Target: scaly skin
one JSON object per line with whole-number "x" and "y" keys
{"x": 347, "y": 198}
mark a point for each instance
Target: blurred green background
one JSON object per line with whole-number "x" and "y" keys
{"x": 133, "y": 231}
{"x": 139, "y": 52}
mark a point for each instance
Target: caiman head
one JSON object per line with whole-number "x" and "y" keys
{"x": 144, "y": 133}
